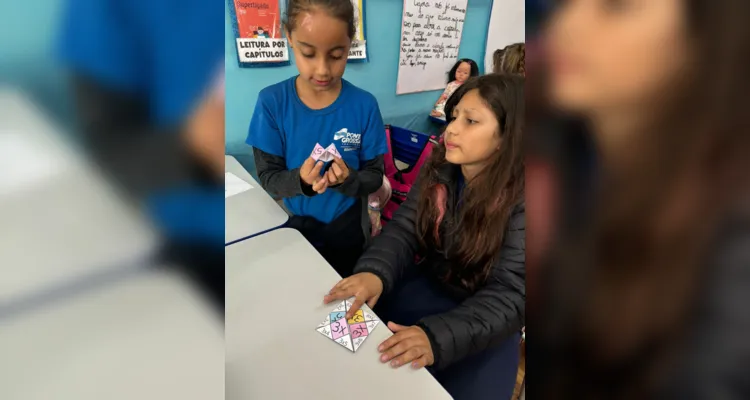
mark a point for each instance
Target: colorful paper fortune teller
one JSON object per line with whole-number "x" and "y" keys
{"x": 349, "y": 333}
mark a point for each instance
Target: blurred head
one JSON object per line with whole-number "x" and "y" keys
{"x": 463, "y": 70}
{"x": 678, "y": 68}
{"x": 320, "y": 33}
{"x": 510, "y": 60}
{"x": 617, "y": 54}
{"x": 484, "y": 135}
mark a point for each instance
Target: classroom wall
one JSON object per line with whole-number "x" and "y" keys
{"x": 377, "y": 76}
{"x": 26, "y": 55}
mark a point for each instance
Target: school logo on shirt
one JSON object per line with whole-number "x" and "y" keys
{"x": 348, "y": 141}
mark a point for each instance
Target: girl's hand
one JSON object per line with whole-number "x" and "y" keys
{"x": 338, "y": 173}
{"x": 436, "y": 113}
{"x": 409, "y": 344}
{"x": 309, "y": 173}
{"x": 366, "y": 287}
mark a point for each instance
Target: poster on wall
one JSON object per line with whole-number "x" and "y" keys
{"x": 358, "y": 51}
{"x": 507, "y": 26}
{"x": 257, "y": 29}
{"x": 430, "y": 36}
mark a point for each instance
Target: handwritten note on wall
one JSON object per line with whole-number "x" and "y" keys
{"x": 430, "y": 36}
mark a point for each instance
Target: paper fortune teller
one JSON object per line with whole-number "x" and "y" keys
{"x": 349, "y": 333}
{"x": 325, "y": 154}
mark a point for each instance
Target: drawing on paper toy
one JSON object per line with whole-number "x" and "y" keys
{"x": 349, "y": 333}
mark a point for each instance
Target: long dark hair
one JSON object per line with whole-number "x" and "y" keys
{"x": 472, "y": 64}
{"x": 642, "y": 269}
{"x": 489, "y": 198}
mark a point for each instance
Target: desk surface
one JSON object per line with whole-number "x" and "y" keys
{"x": 149, "y": 336}
{"x": 250, "y": 212}
{"x": 274, "y": 302}
{"x": 61, "y": 220}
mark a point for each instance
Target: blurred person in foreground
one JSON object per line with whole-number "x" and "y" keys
{"x": 150, "y": 103}
{"x": 643, "y": 288}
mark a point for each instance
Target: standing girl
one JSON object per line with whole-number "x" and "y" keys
{"x": 461, "y": 310}
{"x": 319, "y": 107}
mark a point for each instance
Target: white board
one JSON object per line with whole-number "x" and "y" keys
{"x": 507, "y": 26}
{"x": 430, "y": 36}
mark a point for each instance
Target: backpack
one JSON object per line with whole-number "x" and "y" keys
{"x": 411, "y": 148}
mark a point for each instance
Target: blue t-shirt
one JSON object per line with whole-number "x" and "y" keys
{"x": 169, "y": 52}
{"x": 284, "y": 126}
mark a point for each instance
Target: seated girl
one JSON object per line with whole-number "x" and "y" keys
{"x": 460, "y": 310}
{"x": 463, "y": 70}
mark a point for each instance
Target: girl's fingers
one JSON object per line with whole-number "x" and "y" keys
{"x": 396, "y": 327}
{"x": 399, "y": 348}
{"x": 391, "y": 341}
{"x": 356, "y": 305}
{"x": 338, "y": 294}
{"x": 420, "y": 362}
{"x": 340, "y": 284}
{"x": 337, "y": 171}
{"x": 408, "y": 356}
{"x": 320, "y": 185}
{"x": 341, "y": 164}
{"x": 316, "y": 169}
{"x": 332, "y": 178}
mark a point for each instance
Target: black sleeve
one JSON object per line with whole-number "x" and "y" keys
{"x": 276, "y": 179}
{"x": 367, "y": 180}
{"x": 494, "y": 312}
{"x": 120, "y": 137}
{"x": 393, "y": 250}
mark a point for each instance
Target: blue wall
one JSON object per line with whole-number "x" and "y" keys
{"x": 26, "y": 54}
{"x": 377, "y": 76}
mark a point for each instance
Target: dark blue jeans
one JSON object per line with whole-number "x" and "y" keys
{"x": 489, "y": 375}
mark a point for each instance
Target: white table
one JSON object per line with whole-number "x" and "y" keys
{"x": 149, "y": 336}
{"x": 250, "y": 212}
{"x": 274, "y": 302}
{"x": 60, "y": 221}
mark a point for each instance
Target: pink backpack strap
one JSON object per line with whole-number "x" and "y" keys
{"x": 390, "y": 165}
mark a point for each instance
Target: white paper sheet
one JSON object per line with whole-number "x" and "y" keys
{"x": 234, "y": 185}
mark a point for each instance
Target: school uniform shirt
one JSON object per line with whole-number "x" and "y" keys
{"x": 283, "y": 132}
{"x": 140, "y": 68}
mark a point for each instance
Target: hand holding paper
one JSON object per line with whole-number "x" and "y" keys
{"x": 338, "y": 173}
{"x": 309, "y": 173}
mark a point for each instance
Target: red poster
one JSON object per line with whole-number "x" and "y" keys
{"x": 258, "y": 19}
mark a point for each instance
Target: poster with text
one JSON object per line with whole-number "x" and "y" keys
{"x": 259, "y": 37}
{"x": 430, "y": 36}
{"x": 358, "y": 51}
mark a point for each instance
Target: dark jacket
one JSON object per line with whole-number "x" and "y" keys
{"x": 486, "y": 317}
